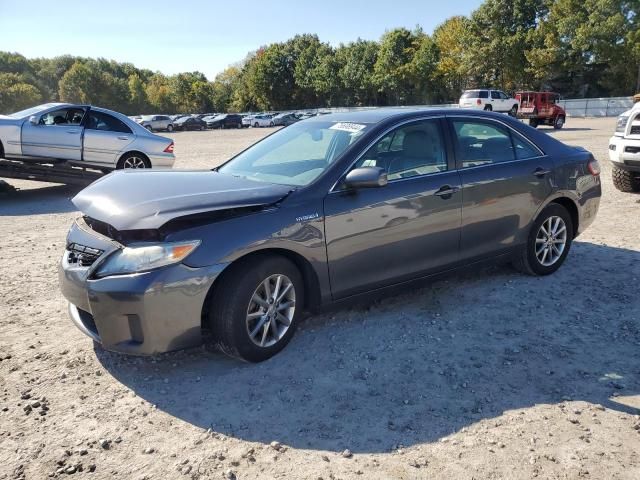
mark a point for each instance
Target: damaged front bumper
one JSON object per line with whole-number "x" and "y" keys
{"x": 143, "y": 313}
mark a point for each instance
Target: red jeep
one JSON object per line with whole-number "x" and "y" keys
{"x": 541, "y": 108}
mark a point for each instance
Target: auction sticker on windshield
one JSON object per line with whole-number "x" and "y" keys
{"x": 347, "y": 127}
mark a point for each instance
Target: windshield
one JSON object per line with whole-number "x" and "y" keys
{"x": 32, "y": 111}
{"x": 295, "y": 155}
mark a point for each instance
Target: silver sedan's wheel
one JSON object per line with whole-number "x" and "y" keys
{"x": 271, "y": 310}
{"x": 551, "y": 240}
{"x": 134, "y": 162}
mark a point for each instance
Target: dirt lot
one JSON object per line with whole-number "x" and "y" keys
{"x": 486, "y": 375}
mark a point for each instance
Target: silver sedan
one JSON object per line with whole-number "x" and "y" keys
{"x": 81, "y": 135}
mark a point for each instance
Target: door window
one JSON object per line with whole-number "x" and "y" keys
{"x": 409, "y": 151}
{"x": 481, "y": 143}
{"x": 495, "y": 95}
{"x": 107, "y": 123}
{"x": 64, "y": 116}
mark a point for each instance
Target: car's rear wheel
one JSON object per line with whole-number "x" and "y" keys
{"x": 256, "y": 125}
{"x": 558, "y": 122}
{"x": 625, "y": 181}
{"x": 514, "y": 111}
{"x": 488, "y": 108}
{"x": 239, "y": 125}
{"x": 548, "y": 243}
{"x": 255, "y": 310}
{"x": 533, "y": 122}
{"x": 271, "y": 124}
{"x": 133, "y": 160}
{"x": 170, "y": 128}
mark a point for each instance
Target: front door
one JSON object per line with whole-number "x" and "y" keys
{"x": 505, "y": 179}
{"x": 57, "y": 134}
{"x": 105, "y": 138}
{"x": 380, "y": 236}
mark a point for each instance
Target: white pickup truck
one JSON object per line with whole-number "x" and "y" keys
{"x": 624, "y": 151}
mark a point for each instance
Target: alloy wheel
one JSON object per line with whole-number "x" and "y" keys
{"x": 134, "y": 162}
{"x": 270, "y": 311}
{"x": 551, "y": 240}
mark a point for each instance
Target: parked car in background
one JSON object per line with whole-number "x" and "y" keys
{"x": 541, "y": 108}
{"x": 189, "y": 123}
{"x": 264, "y": 120}
{"x": 246, "y": 120}
{"x": 624, "y": 151}
{"x": 321, "y": 211}
{"x": 490, "y": 100}
{"x": 81, "y": 135}
{"x": 284, "y": 119}
{"x": 156, "y": 122}
{"x": 224, "y": 120}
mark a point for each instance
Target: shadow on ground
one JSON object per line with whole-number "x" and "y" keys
{"x": 38, "y": 201}
{"x": 413, "y": 368}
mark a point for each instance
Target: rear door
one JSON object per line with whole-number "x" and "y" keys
{"x": 380, "y": 236}
{"x": 497, "y": 101}
{"x": 505, "y": 179}
{"x": 105, "y": 137}
{"x": 58, "y": 134}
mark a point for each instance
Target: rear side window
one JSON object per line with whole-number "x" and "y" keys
{"x": 484, "y": 143}
{"x": 105, "y": 122}
{"x": 483, "y": 94}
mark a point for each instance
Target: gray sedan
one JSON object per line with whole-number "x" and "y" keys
{"x": 81, "y": 135}
{"x": 326, "y": 210}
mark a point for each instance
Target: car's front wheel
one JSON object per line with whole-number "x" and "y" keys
{"x": 149, "y": 127}
{"x": 169, "y": 128}
{"x": 625, "y": 181}
{"x": 558, "y": 123}
{"x": 548, "y": 243}
{"x": 255, "y": 310}
{"x": 514, "y": 111}
{"x": 256, "y": 125}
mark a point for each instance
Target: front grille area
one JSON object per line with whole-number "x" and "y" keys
{"x": 82, "y": 255}
{"x": 123, "y": 236}
{"x": 635, "y": 130}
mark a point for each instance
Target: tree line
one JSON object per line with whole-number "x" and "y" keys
{"x": 579, "y": 48}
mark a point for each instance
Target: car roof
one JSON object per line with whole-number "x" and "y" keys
{"x": 375, "y": 115}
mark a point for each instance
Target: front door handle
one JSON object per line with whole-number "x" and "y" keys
{"x": 73, "y": 131}
{"x": 446, "y": 191}
{"x": 123, "y": 138}
{"x": 541, "y": 172}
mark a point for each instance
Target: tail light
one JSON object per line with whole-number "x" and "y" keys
{"x": 479, "y": 102}
{"x": 169, "y": 149}
{"x": 594, "y": 167}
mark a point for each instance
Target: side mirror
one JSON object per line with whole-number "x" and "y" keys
{"x": 366, "y": 177}
{"x": 33, "y": 120}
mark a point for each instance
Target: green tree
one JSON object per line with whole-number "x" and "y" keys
{"x": 16, "y": 94}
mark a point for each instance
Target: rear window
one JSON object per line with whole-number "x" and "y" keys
{"x": 476, "y": 94}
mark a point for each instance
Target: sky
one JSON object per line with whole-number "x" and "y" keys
{"x": 196, "y": 35}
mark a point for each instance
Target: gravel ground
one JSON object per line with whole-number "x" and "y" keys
{"x": 485, "y": 375}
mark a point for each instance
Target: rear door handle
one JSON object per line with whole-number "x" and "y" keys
{"x": 123, "y": 138}
{"x": 73, "y": 131}
{"x": 446, "y": 191}
{"x": 541, "y": 172}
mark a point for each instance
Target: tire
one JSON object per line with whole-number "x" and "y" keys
{"x": 271, "y": 124}
{"x": 256, "y": 125}
{"x": 625, "y": 181}
{"x": 228, "y": 319}
{"x": 149, "y": 127}
{"x": 488, "y": 108}
{"x": 558, "y": 122}
{"x": 529, "y": 260}
{"x": 133, "y": 158}
{"x": 514, "y": 111}
{"x": 170, "y": 128}
{"x": 239, "y": 125}
{"x": 533, "y": 122}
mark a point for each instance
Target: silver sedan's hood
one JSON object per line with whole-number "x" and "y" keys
{"x": 147, "y": 199}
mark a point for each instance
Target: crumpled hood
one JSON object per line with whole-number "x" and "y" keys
{"x": 141, "y": 199}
